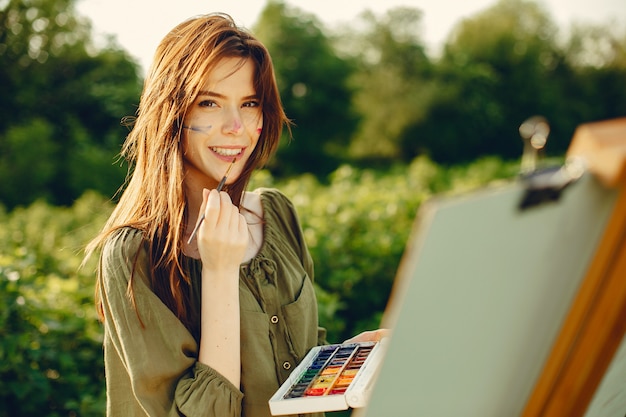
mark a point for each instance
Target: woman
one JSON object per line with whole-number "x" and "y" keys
{"x": 211, "y": 324}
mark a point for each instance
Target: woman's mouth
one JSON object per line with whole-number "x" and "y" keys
{"x": 227, "y": 152}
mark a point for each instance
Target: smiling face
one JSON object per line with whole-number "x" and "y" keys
{"x": 223, "y": 122}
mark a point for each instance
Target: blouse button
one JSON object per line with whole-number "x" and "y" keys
{"x": 286, "y": 365}
{"x": 274, "y": 319}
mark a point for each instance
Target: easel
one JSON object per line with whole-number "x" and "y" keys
{"x": 595, "y": 326}
{"x": 498, "y": 311}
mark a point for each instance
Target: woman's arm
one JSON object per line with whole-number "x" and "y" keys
{"x": 222, "y": 241}
{"x": 150, "y": 356}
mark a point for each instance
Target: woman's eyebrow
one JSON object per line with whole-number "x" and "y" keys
{"x": 210, "y": 94}
{"x": 218, "y": 95}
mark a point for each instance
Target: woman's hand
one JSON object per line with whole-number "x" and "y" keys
{"x": 223, "y": 235}
{"x": 369, "y": 336}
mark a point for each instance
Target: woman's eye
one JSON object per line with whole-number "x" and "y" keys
{"x": 207, "y": 103}
{"x": 253, "y": 103}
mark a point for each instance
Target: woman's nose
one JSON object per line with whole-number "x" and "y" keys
{"x": 233, "y": 123}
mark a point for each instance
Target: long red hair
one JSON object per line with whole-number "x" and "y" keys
{"x": 153, "y": 199}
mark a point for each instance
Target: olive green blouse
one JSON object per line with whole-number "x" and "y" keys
{"x": 151, "y": 357}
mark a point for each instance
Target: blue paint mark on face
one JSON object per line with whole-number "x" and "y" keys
{"x": 201, "y": 129}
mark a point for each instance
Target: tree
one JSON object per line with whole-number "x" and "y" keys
{"x": 460, "y": 118}
{"x": 62, "y": 104}
{"x": 596, "y": 55}
{"x": 313, "y": 86}
{"x": 511, "y": 48}
{"x": 392, "y": 84}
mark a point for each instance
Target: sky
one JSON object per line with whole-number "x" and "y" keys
{"x": 139, "y": 25}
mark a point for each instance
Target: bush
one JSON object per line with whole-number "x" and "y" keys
{"x": 51, "y": 342}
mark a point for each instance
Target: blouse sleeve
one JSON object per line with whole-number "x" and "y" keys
{"x": 148, "y": 346}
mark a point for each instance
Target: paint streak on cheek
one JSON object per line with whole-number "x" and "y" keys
{"x": 201, "y": 129}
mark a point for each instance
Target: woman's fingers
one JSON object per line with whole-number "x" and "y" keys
{"x": 223, "y": 236}
{"x": 369, "y": 336}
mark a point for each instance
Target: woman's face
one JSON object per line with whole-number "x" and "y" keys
{"x": 223, "y": 123}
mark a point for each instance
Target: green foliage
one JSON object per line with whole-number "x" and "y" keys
{"x": 32, "y": 173}
{"x": 461, "y": 117}
{"x": 62, "y": 103}
{"x": 505, "y": 64}
{"x": 498, "y": 68}
{"x": 597, "y": 80}
{"x": 313, "y": 84}
{"x": 50, "y": 340}
{"x": 392, "y": 88}
{"x": 366, "y": 94}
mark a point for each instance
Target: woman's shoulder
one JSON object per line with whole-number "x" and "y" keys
{"x": 273, "y": 198}
{"x": 123, "y": 244}
{"x": 278, "y": 210}
{"x": 124, "y": 253}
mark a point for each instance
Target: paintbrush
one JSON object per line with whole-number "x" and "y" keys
{"x": 219, "y": 188}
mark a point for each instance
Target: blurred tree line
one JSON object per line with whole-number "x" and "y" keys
{"x": 365, "y": 94}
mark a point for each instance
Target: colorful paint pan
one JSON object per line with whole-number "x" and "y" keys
{"x": 330, "y": 378}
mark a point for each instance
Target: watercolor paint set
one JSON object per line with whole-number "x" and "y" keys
{"x": 330, "y": 378}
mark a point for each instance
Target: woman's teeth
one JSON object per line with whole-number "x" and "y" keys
{"x": 226, "y": 152}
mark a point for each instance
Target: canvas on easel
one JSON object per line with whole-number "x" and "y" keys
{"x": 496, "y": 303}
